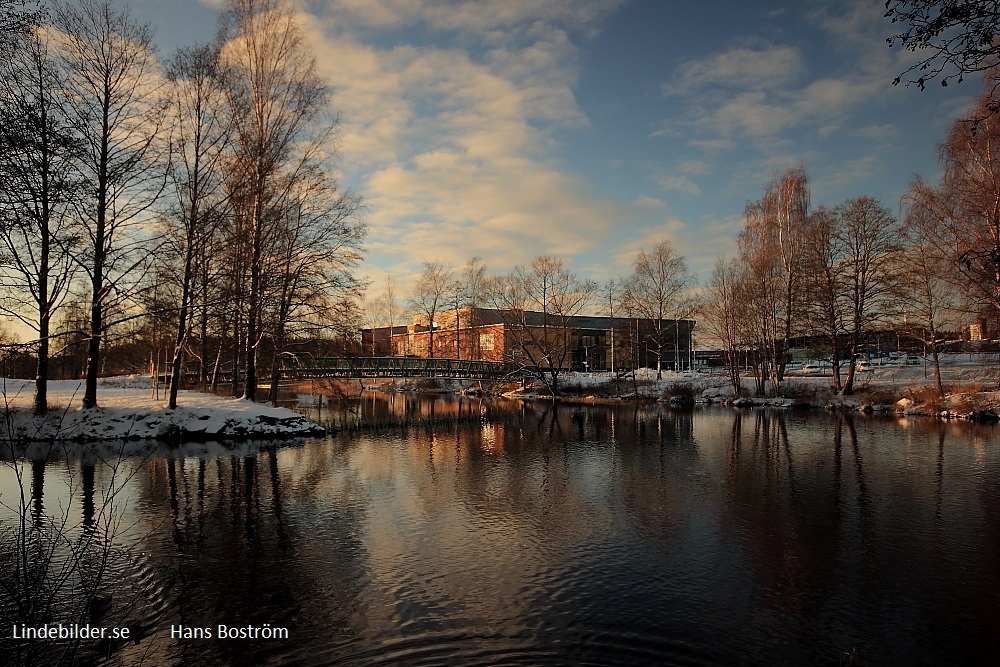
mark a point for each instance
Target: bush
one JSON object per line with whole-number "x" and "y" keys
{"x": 800, "y": 390}
{"x": 678, "y": 389}
{"x": 572, "y": 389}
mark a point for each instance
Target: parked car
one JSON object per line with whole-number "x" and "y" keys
{"x": 817, "y": 366}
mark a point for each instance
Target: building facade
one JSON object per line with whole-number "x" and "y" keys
{"x": 579, "y": 343}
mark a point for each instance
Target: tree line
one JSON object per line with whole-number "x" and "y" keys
{"x": 193, "y": 198}
{"x": 834, "y": 275}
{"x": 839, "y": 273}
{"x": 194, "y": 194}
{"x": 536, "y": 301}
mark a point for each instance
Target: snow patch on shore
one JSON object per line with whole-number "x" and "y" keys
{"x": 130, "y": 410}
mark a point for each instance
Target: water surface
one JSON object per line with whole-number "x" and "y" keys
{"x": 473, "y": 532}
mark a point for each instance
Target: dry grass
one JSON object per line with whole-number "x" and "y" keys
{"x": 803, "y": 392}
{"x": 959, "y": 398}
{"x": 881, "y": 396}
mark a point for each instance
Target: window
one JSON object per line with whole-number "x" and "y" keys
{"x": 486, "y": 342}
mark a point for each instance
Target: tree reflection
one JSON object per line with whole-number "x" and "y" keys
{"x": 761, "y": 536}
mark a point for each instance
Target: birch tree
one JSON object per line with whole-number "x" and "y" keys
{"x": 312, "y": 277}
{"x": 928, "y": 294}
{"x": 657, "y": 291}
{"x": 824, "y": 285}
{"x": 763, "y": 282}
{"x": 279, "y": 111}
{"x": 723, "y": 308}
{"x": 870, "y": 237}
{"x": 198, "y": 140}
{"x": 966, "y": 207}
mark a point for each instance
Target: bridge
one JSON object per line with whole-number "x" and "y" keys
{"x": 397, "y": 367}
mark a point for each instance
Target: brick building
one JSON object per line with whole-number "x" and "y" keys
{"x": 482, "y": 334}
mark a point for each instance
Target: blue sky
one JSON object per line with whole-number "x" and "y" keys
{"x": 592, "y": 128}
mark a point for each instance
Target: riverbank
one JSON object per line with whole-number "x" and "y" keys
{"x": 971, "y": 385}
{"x": 130, "y": 409}
{"x": 970, "y": 391}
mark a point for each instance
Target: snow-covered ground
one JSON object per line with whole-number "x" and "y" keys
{"x": 129, "y": 410}
{"x": 970, "y": 382}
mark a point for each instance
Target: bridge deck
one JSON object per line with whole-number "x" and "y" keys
{"x": 398, "y": 367}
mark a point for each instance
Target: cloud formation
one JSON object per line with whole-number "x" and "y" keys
{"x": 451, "y": 140}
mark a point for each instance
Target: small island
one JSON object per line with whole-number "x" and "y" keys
{"x": 129, "y": 410}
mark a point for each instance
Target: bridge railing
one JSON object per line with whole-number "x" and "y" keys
{"x": 363, "y": 367}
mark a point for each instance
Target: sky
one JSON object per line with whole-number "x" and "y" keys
{"x": 591, "y": 129}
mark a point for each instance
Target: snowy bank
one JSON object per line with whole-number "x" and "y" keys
{"x": 128, "y": 410}
{"x": 968, "y": 382}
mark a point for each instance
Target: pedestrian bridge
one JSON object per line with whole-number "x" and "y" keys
{"x": 397, "y": 367}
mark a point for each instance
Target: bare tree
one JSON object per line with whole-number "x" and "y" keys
{"x": 38, "y": 149}
{"x": 278, "y": 106}
{"x": 312, "y": 274}
{"x": 824, "y": 285}
{"x": 953, "y": 37}
{"x": 771, "y": 245}
{"x": 430, "y": 294}
{"x": 465, "y": 297}
{"x": 657, "y": 291}
{"x": 966, "y": 207}
{"x": 763, "y": 280}
{"x": 389, "y": 299}
{"x": 927, "y": 292}
{"x": 17, "y": 18}
{"x": 723, "y": 306}
{"x": 199, "y": 136}
{"x": 870, "y": 237}
{"x": 113, "y": 93}
{"x": 536, "y": 303}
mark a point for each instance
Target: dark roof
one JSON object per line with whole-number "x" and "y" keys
{"x": 535, "y": 318}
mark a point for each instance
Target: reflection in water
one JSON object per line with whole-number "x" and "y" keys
{"x": 87, "y": 474}
{"x": 456, "y": 531}
{"x": 37, "y": 491}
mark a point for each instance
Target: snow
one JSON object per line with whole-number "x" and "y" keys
{"x": 129, "y": 410}
{"x": 967, "y": 380}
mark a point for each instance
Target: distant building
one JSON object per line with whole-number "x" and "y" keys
{"x": 481, "y": 334}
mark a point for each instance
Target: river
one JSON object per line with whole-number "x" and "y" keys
{"x": 447, "y": 531}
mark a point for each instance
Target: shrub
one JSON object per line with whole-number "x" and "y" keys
{"x": 800, "y": 390}
{"x": 572, "y": 389}
{"x": 678, "y": 389}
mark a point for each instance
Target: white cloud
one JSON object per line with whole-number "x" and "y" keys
{"x": 767, "y": 67}
{"x": 450, "y": 143}
{"x": 481, "y": 16}
{"x": 677, "y": 183}
{"x": 759, "y": 91}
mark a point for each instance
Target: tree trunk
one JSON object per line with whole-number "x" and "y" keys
{"x": 182, "y": 317}
{"x": 42, "y": 370}
{"x": 937, "y": 373}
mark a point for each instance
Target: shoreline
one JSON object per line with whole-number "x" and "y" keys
{"x": 972, "y": 391}
{"x": 127, "y": 412}
{"x": 982, "y": 415}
